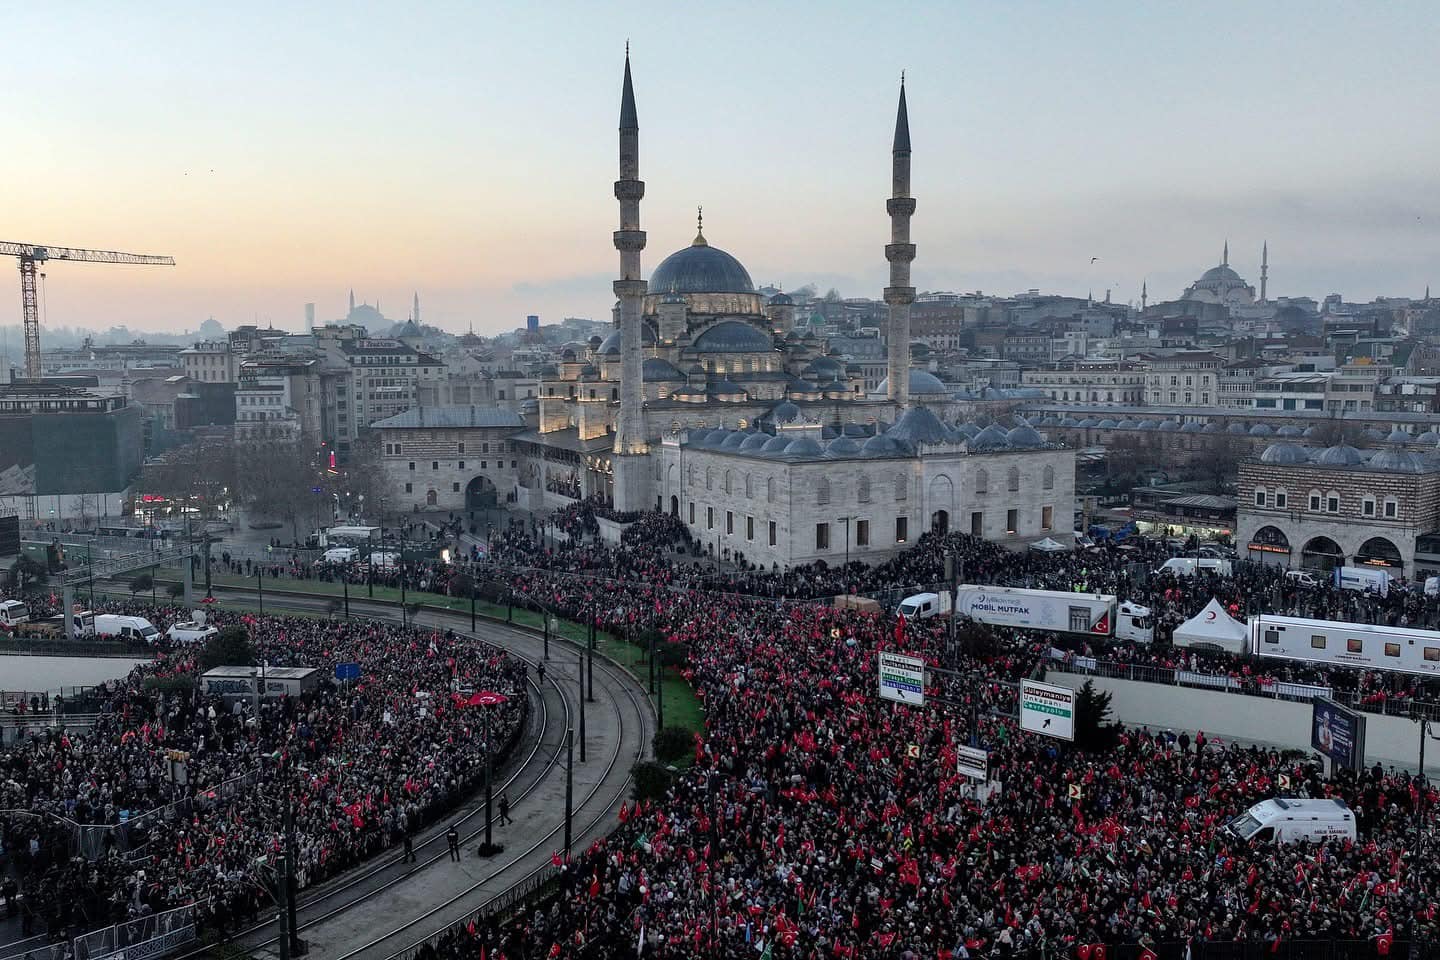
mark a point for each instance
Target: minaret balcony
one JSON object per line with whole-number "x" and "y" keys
{"x": 630, "y": 241}
{"x": 629, "y": 288}
{"x": 899, "y": 252}
{"x": 899, "y": 296}
{"x": 629, "y": 189}
{"x": 900, "y": 206}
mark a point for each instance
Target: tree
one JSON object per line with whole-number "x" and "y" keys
{"x": 461, "y": 584}
{"x": 1220, "y": 465}
{"x": 196, "y": 479}
{"x": 141, "y": 582}
{"x": 278, "y": 480}
{"x": 364, "y": 475}
{"x": 231, "y": 647}
{"x": 26, "y": 572}
{"x": 1094, "y": 732}
{"x": 651, "y": 780}
{"x": 672, "y": 743}
{"x": 1122, "y": 459}
{"x": 176, "y": 590}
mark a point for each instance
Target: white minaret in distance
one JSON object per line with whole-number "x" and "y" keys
{"x": 416, "y": 311}
{"x": 629, "y": 465}
{"x": 900, "y": 251}
{"x": 1264, "y": 268}
{"x": 1144, "y": 294}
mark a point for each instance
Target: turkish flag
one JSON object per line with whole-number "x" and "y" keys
{"x": 900, "y": 629}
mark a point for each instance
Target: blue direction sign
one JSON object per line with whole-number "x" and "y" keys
{"x": 347, "y": 671}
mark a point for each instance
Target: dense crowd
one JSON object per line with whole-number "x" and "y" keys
{"x": 361, "y": 763}
{"x": 806, "y": 827}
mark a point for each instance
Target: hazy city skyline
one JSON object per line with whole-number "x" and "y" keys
{"x": 468, "y": 155}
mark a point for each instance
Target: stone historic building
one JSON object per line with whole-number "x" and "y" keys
{"x": 1304, "y": 507}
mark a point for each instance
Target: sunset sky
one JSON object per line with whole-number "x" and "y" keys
{"x": 284, "y": 153}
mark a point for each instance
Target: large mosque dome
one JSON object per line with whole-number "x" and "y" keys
{"x": 700, "y": 268}
{"x": 1221, "y": 274}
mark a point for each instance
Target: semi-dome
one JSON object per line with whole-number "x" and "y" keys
{"x": 1261, "y": 430}
{"x": 803, "y": 447}
{"x": 1285, "y": 454}
{"x": 776, "y": 444}
{"x": 701, "y": 268}
{"x": 843, "y": 447}
{"x": 733, "y": 336}
{"x": 1025, "y": 437}
{"x": 922, "y": 383}
{"x": 993, "y": 437}
{"x": 658, "y": 368}
{"x": 611, "y": 344}
{"x": 755, "y": 441}
{"x": 1398, "y": 461}
{"x": 1340, "y": 455}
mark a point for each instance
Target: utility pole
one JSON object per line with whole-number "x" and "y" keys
{"x": 652, "y": 660}
{"x": 345, "y": 585}
{"x": 952, "y": 574}
{"x": 282, "y": 871}
{"x": 569, "y": 784}
{"x": 546, "y": 615}
{"x": 297, "y": 946}
{"x": 260, "y": 587}
{"x": 590, "y": 695}
{"x": 472, "y": 603}
{"x": 580, "y": 655}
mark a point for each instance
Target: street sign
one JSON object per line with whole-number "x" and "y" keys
{"x": 1283, "y": 781}
{"x": 912, "y": 751}
{"x": 1075, "y": 791}
{"x": 973, "y": 762}
{"x": 902, "y": 679}
{"x": 1047, "y": 710}
{"x": 347, "y": 671}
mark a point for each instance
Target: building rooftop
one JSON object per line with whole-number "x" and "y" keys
{"x": 452, "y": 417}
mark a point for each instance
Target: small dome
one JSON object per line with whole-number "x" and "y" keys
{"x": 1069, "y": 422}
{"x": 1370, "y": 433}
{"x": 967, "y": 430}
{"x": 1089, "y": 422}
{"x": 843, "y": 447}
{"x": 1286, "y": 454}
{"x": 1398, "y": 436}
{"x": 1290, "y": 430}
{"x": 1107, "y": 424}
{"x": 1192, "y": 426}
{"x": 594, "y": 341}
{"x": 993, "y": 437}
{"x": 1310, "y": 431}
{"x": 825, "y": 368}
{"x": 657, "y": 368}
{"x": 1398, "y": 461}
{"x": 1214, "y": 426}
{"x": 776, "y": 444}
{"x": 698, "y": 438}
{"x": 880, "y": 446}
{"x": 611, "y": 344}
{"x": 1261, "y": 430}
{"x": 726, "y": 388}
{"x": 804, "y": 447}
{"x": 755, "y": 441}
{"x": 733, "y": 336}
{"x": 1025, "y": 437}
{"x": 1147, "y": 425}
{"x": 1429, "y": 436}
{"x": 802, "y": 390}
{"x": 1340, "y": 455}
{"x": 529, "y": 405}
{"x": 733, "y": 441}
{"x": 689, "y": 394}
{"x": 922, "y": 383}
{"x": 785, "y": 412}
{"x": 919, "y": 425}
{"x": 1169, "y": 426}
{"x": 1128, "y": 425}
{"x": 1237, "y": 429}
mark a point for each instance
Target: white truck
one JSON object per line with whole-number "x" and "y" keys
{"x": 1362, "y": 579}
{"x": 126, "y": 628}
{"x": 1191, "y": 566}
{"x": 190, "y": 632}
{"x": 1058, "y": 611}
{"x": 13, "y": 613}
{"x": 1286, "y": 820}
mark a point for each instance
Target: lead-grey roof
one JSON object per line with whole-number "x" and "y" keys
{"x": 452, "y": 416}
{"x": 919, "y": 425}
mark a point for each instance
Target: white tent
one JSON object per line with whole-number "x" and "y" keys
{"x": 1213, "y": 629}
{"x": 1048, "y": 546}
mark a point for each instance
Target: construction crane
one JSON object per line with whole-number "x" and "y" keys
{"x": 31, "y": 254}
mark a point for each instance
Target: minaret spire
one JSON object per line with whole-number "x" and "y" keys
{"x": 900, "y": 252}
{"x": 1144, "y": 294}
{"x": 416, "y": 311}
{"x": 630, "y": 465}
{"x": 699, "y": 240}
{"x": 352, "y": 299}
{"x": 1264, "y": 268}
{"x": 1225, "y": 257}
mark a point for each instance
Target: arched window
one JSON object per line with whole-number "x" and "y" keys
{"x": 690, "y": 475}
{"x": 1332, "y": 501}
{"x": 862, "y": 489}
{"x": 727, "y": 482}
{"x": 1282, "y": 499}
{"x": 770, "y": 489}
{"x": 1012, "y": 479}
{"x": 1260, "y": 497}
{"x": 822, "y": 491}
{"x": 749, "y": 487}
{"x": 902, "y": 487}
{"x": 709, "y": 478}
{"x": 1047, "y": 477}
{"x": 982, "y": 480}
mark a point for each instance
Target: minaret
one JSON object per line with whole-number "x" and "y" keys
{"x": 416, "y": 309}
{"x": 1264, "y": 268}
{"x": 1144, "y": 294}
{"x": 352, "y": 299}
{"x": 630, "y": 465}
{"x": 900, "y": 251}
{"x": 1225, "y": 257}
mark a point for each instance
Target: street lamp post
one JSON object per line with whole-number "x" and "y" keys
{"x": 580, "y": 655}
{"x": 569, "y": 784}
{"x": 847, "y": 541}
{"x": 486, "y": 700}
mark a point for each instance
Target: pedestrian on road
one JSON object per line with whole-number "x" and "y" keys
{"x": 409, "y": 849}
{"x": 452, "y": 837}
{"x": 505, "y": 807}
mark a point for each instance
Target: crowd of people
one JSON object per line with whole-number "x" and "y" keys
{"x": 99, "y": 830}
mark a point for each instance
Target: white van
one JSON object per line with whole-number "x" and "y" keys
{"x": 1288, "y": 820}
{"x": 1362, "y": 579}
{"x": 1303, "y": 578}
{"x": 341, "y": 555}
{"x": 922, "y": 606}
{"x": 1190, "y": 566}
{"x": 13, "y": 613}
{"x": 190, "y": 631}
{"x": 126, "y": 628}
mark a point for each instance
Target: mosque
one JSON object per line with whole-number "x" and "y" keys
{"x": 705, "y": 402}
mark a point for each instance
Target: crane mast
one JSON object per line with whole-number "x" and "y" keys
{"x": 31, "y": 254}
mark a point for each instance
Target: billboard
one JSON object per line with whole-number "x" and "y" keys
{"x": 1047, "y": 710}
{"x": 9, "y": 536}
{"x": 1338, "y": 733}
{"x": 902, "y": 679}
